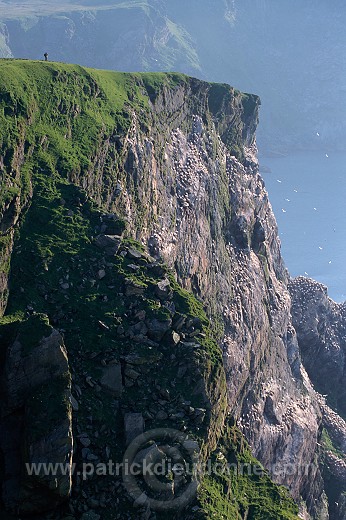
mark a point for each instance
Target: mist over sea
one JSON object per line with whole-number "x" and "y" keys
{"x": 307, "y": 192}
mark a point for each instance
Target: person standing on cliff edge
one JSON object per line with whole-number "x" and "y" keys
{"x": 45, "y": 56}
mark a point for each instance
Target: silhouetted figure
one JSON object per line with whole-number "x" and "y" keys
{"x": 45, "y": 56}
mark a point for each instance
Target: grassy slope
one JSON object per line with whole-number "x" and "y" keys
{"x": 54, "y": 246}
{"x": 67, "y": 106}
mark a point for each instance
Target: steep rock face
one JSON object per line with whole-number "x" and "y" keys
{"x": 209, "y": 217}
{"x": 35, "y": 419}
{"x": 334, "y": 460}
{"x": 12, "y": 200}
{"x": 321, "y": 329}
{"x": 320, "y": 325}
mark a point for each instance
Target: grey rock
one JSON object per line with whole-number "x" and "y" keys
{"x": 320, "y": 324}
{"x": 199, "y": 415}
{"x": 109, "y": 242}
{"x": 181, "y": 372}
{"x": 173, "y": 338}
{"x": 101, "y": 274}
{"x": 134, "y": 253}
{"x": 134, "y": 267}
{"x": 29, "y": 373}
{"x": 134, "y": 289}
{"x": 215, "y": 205}
{"x": 336, "y": 465}
{"x": 102, "y": 325}
{"x": 131, "y": 373}
{"x": 91, "y": 457}
{"x": 163, "y": 289}
{"x": 161, "y": 415}
{"x": 165, "y": 394}
{"x": 85, "y": 441}
{"x": 103, "y": 241}
{"x": 191, "y": 446}
{"x": 111, "y": 380}
{"x": 90, "y": 382}
{"x": 179, "y": 322}
{"x": 27, "y": 370}
{"x": 141, "y": 500}
{"x": 74, "y": 403}
{"x": 189, "y": 410}
{"x": 85, "y": 453}
{"x": 141, "y": 315}
{"x": 134, "y": 426}
{"x": 157, "y": 329}
{"x": 90, "y": 515}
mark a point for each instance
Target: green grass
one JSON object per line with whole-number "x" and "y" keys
{"x": 328, "y": 445}
{"x": 70, "y": 110}
{"x": 243, "y": 489}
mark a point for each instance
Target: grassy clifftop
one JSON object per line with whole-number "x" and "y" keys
{"x": 64, "y": 110}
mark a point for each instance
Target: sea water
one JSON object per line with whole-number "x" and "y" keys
{"x": 307, "y": 191}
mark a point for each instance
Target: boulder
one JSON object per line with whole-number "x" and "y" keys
{"x": 161, "y": 415}
{"x": 131, "y": 373}
{"x": 163, "y": 289}
{"x": 179, "y": 322}
{"x": 31, "y": 362}
{"x": 134, "y": 426}
{"x": 101, "y": 274}
{"x": 110, "y": 243}
{"x": 134, "y": 289}
{"x": 111, "y": 380}
{"x": 134, "y": 253}
{"x": 157, "y": 328}
{"x": 173, "y": 338}
{"x": 36, "y": 419}
{"x": 74, "y": 403}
